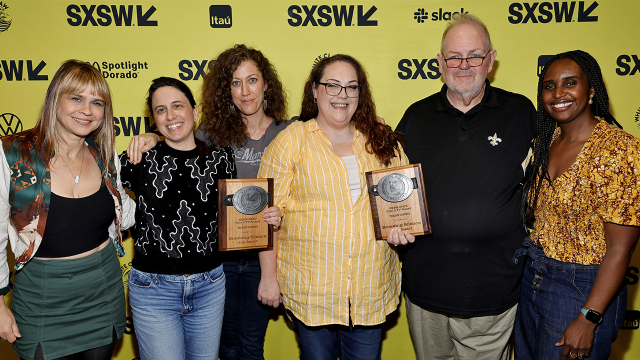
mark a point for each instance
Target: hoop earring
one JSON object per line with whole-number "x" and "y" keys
{"x": 590, "y": 99}
{"x": 232, "y": 109}
{"x": 315, "y": 100}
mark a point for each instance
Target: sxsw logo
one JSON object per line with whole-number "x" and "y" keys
{"x": 9, "y": 124}
{"x": 542, "y": 61}
{"x": 130, "y": 125}
{"x": 106, "y": 15}
{"x": 407, "y": 70}
{"x": 14, "y": 70}
{"x": 220, "y": 16}
{"x": 625, "y": 67}
{"x": 545, "y": 12}
{"x": 193, "y": 69}
{"x": 327, "y": 15}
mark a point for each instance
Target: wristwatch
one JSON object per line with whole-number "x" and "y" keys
{"x": 592, "y": 315}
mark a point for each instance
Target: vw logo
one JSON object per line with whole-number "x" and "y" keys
{"x": 10, "y": 124}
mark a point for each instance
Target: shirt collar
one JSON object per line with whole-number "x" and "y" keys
{"x": 489, "y": 99}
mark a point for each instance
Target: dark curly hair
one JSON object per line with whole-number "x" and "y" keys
{"x": 546, "y": 125}
{"x": 222, "y": 125}
{"x": 381, "y": 140}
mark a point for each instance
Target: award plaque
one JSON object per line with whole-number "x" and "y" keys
{"x": 398, "y": 200}
{"x": 242, "y": 203}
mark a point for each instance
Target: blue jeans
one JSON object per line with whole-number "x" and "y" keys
{"x": 245, "y": 318}
{"x": 552, "y": 294}
{"x": 350, "y": 342}
{"x": 177, "y": 317}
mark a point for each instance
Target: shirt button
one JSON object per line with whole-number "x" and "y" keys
{"x": 349, "y": 256}
{"x": 351, "y": 234}
{"x": 352, "y": 213}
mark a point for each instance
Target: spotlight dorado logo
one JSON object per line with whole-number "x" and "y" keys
{"x": 120, "y": 70}
{"x": 5, "y": 21}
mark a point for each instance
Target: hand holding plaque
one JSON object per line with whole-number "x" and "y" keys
{"x": 243, "y": 201}
{"x": 398, "y": 200}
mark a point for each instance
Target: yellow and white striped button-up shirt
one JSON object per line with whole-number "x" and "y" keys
{"x": 330, "y": 267}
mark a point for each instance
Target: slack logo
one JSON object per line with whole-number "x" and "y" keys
{"x": 220, "y": 16}
{"x": 407, "y": 72}
{"x": 625, "y": 67}
{"x": 106, "y": 15}
{"x": 545, "y": 12}
{"x": 328, "y": 15}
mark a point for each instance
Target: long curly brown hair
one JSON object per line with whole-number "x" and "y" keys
{"x": 222, "y": 125}
{"x": 381, "y": 140}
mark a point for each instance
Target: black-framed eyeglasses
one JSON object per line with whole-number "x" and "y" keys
{"x": 334, "y": 89}
{"x": 473, "y": 61}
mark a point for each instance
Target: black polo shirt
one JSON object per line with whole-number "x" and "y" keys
{"x": 473, "y": 168}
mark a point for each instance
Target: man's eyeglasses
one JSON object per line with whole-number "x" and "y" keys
{"x": 473, "y": 61}
{"x": 333, "y": 89}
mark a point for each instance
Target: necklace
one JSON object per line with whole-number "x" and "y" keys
{"x": 76, "y": 178}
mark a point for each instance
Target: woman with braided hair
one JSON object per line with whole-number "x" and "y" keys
{"x": 581, "y": 197}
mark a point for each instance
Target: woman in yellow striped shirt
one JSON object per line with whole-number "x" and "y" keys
{"x": 337, "y": 281}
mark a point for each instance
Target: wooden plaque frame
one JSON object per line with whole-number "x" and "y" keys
{"x": 237, "y": 231}
{"x": 411, "y": 214}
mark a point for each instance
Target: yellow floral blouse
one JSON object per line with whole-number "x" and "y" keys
{"x": 600, "y": 186}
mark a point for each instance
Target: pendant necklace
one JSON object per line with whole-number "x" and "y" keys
{"x": 76, "y": 178}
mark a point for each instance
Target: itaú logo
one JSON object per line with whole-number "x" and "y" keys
{"x": 325, "y": 15}
{"x": 107, "y": 15}
{"x": 545, "y": 12}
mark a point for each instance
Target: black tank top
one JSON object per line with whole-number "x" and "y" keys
{"x": 78, "y": 225}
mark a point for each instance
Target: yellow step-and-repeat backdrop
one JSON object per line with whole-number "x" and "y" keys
{"x": 133, "y": 42}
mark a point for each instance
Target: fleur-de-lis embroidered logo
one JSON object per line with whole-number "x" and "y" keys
{"x": 494, "y": 140}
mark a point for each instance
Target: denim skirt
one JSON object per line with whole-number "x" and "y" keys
{"x": 68, "y": 306}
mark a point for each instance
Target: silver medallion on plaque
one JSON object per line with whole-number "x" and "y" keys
{"x": 250, "y": 200}
{"x": 395, "y": 187}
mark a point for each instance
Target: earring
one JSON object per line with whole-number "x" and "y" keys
{"x": 232, "y": 109}
{"x": 264, "y": 103}
{"x": 590, "y": 99}
{"x": 315, "y": 100}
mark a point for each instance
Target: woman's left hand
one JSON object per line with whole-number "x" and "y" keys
{"x": 272, "y": 216}
{"x": 577, "y": 338}
{"x": 399, "y": 237}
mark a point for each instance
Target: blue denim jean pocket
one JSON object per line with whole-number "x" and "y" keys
{"x": 140, "y": 279}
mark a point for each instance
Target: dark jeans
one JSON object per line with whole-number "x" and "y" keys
{"x": 552, "y": 294}
{"x": 245, "y": 318}
{"x": 350, "y": 342}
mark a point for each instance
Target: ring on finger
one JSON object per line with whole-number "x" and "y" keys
{"x": 580, "y": 355}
